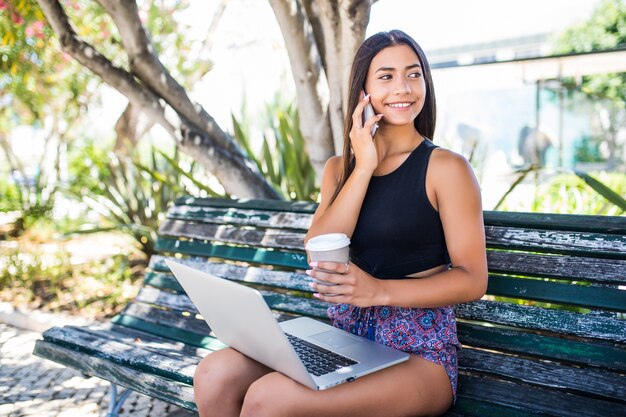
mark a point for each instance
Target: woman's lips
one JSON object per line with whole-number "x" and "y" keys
{"x": 402, "y": 106}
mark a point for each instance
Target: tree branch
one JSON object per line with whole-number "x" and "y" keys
{"x": 149, "y": 69}
{"x": 312, "y": 13}
{"x": 132, "y": 125}
{"x": 101, "y": 66}
{"x": 13, "y": 161}
{"x": 237, "y": 174}
{"x": 207, "y": 44}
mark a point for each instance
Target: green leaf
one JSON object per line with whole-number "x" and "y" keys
{"x": 174, "y": 165}
{"x": 269, "y": 162}
{"x": 603, "y": 190}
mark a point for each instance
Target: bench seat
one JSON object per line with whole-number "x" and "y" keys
{"x": 548, "y": 339}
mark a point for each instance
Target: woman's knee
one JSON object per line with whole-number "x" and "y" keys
{"x": 215, "y": 366}
{"x": 219, "y": 375}
{"x": 269, "y": 396}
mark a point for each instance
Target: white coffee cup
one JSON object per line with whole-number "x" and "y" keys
{"x": 333, "y": 247}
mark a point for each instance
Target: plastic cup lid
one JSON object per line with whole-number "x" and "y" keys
{"x": 329, "y": 241}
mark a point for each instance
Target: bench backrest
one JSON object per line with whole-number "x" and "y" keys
{"x": 556, "y": 282}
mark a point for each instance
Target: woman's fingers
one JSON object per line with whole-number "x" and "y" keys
{"x": 330, "y": 267}
{"x": 331, "y": 278}
{"x": 357, "y": 115}
{"x": 373, "y": 120}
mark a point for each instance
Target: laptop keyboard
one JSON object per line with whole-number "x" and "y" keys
{"x": 317, "y": 360}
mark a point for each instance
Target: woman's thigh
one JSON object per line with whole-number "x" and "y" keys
{"x": 416, "y": 387}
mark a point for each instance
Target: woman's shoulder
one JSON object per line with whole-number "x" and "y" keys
{"x": 447, "y": 157}
{"x": 333, "y": 166}
{"x": 334, "y": 162}
{"x": 446, "y": 163}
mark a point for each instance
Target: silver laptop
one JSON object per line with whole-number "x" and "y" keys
{"x": 311, "y": 352}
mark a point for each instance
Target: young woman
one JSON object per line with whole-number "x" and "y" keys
{"x": 414, "y": 216}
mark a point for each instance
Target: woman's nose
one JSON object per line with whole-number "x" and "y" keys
{"x": 402, "y": 87}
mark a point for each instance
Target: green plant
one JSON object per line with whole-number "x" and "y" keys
{"x": 282, "y": 157}
{"x": 32, "y": 197}
{"x": 51, "y": 281}
{"x": 9, "y": 196}
{"x": 571, "y": 192}
{"x": 131, "y": 194}
{"x": 40, "y": 273}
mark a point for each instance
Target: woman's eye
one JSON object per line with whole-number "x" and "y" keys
{"x": 415, "y": 75}
{"x": 385, "y": 77}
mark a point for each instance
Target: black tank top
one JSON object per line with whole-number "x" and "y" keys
{"x": 399, "y": 232}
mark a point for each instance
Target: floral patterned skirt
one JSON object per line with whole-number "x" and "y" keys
{"x": 427, "y": 332}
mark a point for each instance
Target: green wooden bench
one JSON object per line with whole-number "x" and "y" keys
{"x": 559, "y": 352}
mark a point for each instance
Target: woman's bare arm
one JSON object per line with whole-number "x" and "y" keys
{"x": 340, "y": 216}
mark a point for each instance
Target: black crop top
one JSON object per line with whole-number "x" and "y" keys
{"x": 399, "y": 232}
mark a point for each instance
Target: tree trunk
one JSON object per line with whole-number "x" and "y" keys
{"x": 151, "y": 88}
{"x": 321, "y": 38}
{"x": 343, "y": 23}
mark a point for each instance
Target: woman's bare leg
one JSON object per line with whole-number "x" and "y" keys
{"x": 416, "y": 387}
{"x": 221, "y": 381}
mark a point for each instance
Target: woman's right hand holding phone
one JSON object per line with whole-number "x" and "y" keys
{"x": 361, "y": 138}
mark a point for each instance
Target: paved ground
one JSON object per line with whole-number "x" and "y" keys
{"x": 31, "y": 386}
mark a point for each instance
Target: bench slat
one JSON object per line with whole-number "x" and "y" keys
{"x": 162, "y": 330}
{"x": 147, "y": 384}
{"x": 554, "y": 241}
{"x": 267, "y": 238}
{"x": 553, "y": 221}
{"x": 162, "y": 345}
{"x": 568, "y": 294}
{"x": 277, "y": 279}
{"x": 600, "y": 270}
{"x": 180, "y": 320}
{"x": 548, "y": 374}
{"x": 274, "y": 205}
{"x": 167, "y": 317}
{"x": 132, "y": 355}
{"x": 469, "y": 407}
{"x": 282, "y": 302}
{"x": 258, "y": 218}
{"x": 532, "y": 399}
{"x": 557, "y": 321}
{"x": 296, "y": 260}
{"x": 280, "y": 279}
{"x": 585, "y": 352}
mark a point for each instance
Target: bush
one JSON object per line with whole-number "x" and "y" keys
{"x": 49, "y": 281}
{"x": 9, "y": 196}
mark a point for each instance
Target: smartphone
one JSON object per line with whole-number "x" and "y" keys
{"x": 368, "y": 112}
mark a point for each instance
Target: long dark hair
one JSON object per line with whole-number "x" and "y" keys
{"x": 425, "y": 120}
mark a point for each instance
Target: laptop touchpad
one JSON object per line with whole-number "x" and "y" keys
{"x": 334, "y": 339}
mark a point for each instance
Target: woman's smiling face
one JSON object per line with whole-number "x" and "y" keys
{"x": 396, "y": 85}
